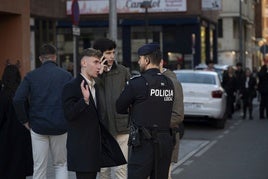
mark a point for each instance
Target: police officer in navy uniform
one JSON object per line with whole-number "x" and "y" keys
{"x": 149, "y": 99}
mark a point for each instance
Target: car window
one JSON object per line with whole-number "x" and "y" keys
{"x": 196, "y": 78}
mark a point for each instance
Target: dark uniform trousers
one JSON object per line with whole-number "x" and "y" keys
{"x": 142, "y": 158}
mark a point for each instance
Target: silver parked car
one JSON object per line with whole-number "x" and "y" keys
{"x": 204, "y": 97}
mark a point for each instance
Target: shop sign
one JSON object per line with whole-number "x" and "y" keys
{"x": 211, "y": 4}
{"x": 127, "y": 6}
{"x": 76, "y": 30}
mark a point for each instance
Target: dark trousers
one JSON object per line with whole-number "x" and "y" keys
{"x": 263, "y": 105}
{"x": 141, "y": 159}
{"x": 86, "y": 175}
{"x": 230, "y": 105}
{"x": 247, "y": 104}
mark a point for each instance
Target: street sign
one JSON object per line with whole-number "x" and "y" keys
{"x": 76, "y": 30}
{"x": 75, "y": 12}
{"x": 211, "y": 5}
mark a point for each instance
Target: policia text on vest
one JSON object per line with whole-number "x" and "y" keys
{"x": 167, "y": 94}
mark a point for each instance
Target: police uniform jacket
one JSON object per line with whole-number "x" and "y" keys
{"x": 150, "y": 97}
{"x": 89, "y": 145}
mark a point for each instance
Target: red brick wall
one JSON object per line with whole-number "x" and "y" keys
{"x": 15, "y": 33}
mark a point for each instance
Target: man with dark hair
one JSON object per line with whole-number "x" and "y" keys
{"x": 263, "y": 89}
{"x": 149, "y": 100}
{"x": 111, "y": 82}
{"x": 42, "y": 89}
{"x": 88, "y": 140}
{"x": 210, "y": 65}
{"x": 239, "y": 75}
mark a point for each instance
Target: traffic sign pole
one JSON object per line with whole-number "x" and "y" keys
{"x": 76, "y": 33}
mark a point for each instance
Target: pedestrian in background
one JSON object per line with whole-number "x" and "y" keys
{"x": 229, "y": 84}
{"x": 90, "y": 146}
{"x": 239, "y": 75}
{"x": 16, "y": 161}
{"x": 177, "y": 115}
{"x": 263, "y": 89}
{"x": 111, "y": 83}
{"x": 248, "y": 92}
{"x": 149, "y": 100}
{"x": 42, "y": 88}
{"x": 210, "y": 65}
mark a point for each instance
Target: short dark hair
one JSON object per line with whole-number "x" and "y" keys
{"x": 155, "y": 57}
{"x": 91, "y": 52}
{"x": 11, "y": 79}
{"x": 104, "y": 44}
{"x": 210, "y": 62}
{"x": 48, "y": 49}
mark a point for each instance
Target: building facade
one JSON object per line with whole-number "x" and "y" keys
{"x": 236, "y": 42}
{"x": 186, "y": 30}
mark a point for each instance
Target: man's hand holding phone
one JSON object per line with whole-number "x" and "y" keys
{"x": 104, "y": 65}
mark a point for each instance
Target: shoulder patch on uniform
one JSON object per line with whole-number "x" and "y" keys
{"x": 135, "y": 76}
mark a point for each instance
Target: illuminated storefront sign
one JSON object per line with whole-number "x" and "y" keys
{"x": 127, "y": 6}
{"x": 203, "y": 44}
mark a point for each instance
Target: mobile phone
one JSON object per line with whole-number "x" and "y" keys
{"x": 103, "y": 58}
{"x": 106, "y": 62}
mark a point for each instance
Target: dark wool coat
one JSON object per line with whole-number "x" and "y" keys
{"x": 15, "y": 143}
{"x": 263, "y": 80}
{"x": 89, "y": 145}
{"x": 249, "y": 92}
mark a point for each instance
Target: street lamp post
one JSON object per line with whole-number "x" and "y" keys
{"x": 146, "y": 5}
{"x": 113, "y": 20}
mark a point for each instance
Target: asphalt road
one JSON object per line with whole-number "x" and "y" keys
{"x": 240, "y": 151}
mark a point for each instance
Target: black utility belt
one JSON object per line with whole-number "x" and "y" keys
{"x": 138, "y": 133}
{"x": 152, "y": 133}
